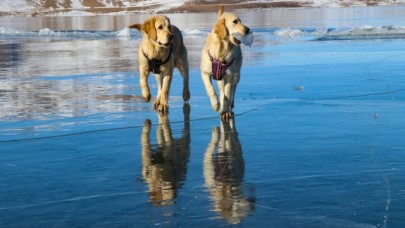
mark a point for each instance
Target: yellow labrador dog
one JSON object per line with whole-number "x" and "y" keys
{"x": 222, "y": 60}
{"x": 161, "y": 50}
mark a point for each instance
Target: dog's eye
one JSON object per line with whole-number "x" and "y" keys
{"x": 160, "y": 27}
{"x": 235, "y": 22}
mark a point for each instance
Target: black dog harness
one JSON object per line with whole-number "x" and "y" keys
{"x": 219, "y": 68}
{"x": 154, "y": 64}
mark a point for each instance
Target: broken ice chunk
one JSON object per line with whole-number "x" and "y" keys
{"x": 245, "y": 39}
{"x": 299, "y": 87}
{"x": 125, "y": 32}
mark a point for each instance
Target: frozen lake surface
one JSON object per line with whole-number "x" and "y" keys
{"x": 317, "y": 140}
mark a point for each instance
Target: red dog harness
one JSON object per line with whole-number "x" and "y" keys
{"x": 219, "y": 68}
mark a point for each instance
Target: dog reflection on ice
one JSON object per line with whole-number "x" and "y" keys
{"x": 224, "y": 169}
{"x": 164, "y": 166}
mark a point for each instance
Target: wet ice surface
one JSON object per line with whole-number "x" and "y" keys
{"x": 317, "y": 140}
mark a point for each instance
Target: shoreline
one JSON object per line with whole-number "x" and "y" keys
{"x": 200, "y": 6}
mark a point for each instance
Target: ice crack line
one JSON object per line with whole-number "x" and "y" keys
{"x": 69, "y": 200}
{"x": 381, "y": 172}
{"x": 109, "y": 129}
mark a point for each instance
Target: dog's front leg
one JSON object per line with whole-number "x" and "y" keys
{"x": 221, "y": 86}
{"x": 182, "y": 64}
{"x": 235, "y": 81}
{"x": 144, "y": 74}
{"x": 159, "y": 82}
{"x": 210, "y": 90}
{"x": 164, "y": 93}
{"x": 225, "y": 88}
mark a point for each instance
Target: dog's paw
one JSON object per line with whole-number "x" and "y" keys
{"x": 163, "y": 108}
{"x": 186, "y": 94}
{"x": 215, "y": 104}
{"x": 156, "y": 104}
{"x": 215, "y": 107}
{"x": 226, "y": 116}
{"x": 146, "y": 95}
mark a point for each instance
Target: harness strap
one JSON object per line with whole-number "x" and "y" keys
{"x": 154, "y": 64}
{"x": 219, "y": 68}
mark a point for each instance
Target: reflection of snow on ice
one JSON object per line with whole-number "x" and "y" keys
{"x": 322, "y": 33}
{"x": 194, "y": 32}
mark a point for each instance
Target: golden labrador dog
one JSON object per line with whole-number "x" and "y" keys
{"x": 221, "y": 60}
{"x": 161, "y": 50}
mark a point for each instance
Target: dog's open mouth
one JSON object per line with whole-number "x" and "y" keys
{"x": 246, "y": 39}
{"x": 236, "y": 41}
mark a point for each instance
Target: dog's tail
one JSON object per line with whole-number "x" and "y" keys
{"x": 220, "y": 11}
{"x": 135, "y": 26}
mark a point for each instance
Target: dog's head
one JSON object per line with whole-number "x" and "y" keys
{"x": 158, "y": 30}
{"x": 228, "y": 24}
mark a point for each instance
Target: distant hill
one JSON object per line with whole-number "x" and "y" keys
{"x": 54, "y": 7}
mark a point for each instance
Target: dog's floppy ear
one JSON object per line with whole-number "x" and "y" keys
{"x": 149, "y": 28}
{"x": 135, "y": 26}
{"x": 220, "y": 11}
{"x": 220, "y": 29}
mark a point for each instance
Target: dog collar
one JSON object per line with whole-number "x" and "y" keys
{"x": 154, "y": 64}
{"x": 219, "y": 67}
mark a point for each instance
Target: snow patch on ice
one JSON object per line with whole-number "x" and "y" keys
{"x": 366, "y": 31}
{"x": 195, "y": 32}
{"x": 289, "y": 33}
{"x": 14, "y": 5}
{"x": 124, "y": 33}
{"x": 77, "y": 4}
{"x": 45, "y": 32}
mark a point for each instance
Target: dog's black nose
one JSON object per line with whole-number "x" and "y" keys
{"x": 247, "y": 30}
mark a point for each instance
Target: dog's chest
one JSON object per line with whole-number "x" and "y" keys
{"x": 221, "y": 67}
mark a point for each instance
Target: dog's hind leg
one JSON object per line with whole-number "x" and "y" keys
{"x": 182, "y": 64}
{"x": 235, "y": 81}
{"x": 232, "y": 97}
